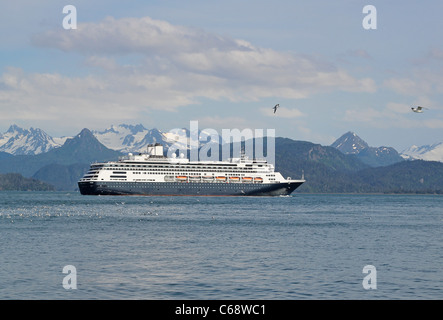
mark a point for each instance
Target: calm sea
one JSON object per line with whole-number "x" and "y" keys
{"x": 299, "y": 247}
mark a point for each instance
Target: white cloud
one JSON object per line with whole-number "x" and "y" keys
{"x": 53, "y": 96}
{"x": 398, "y": 107}
{"x": 393, "y": 115}
{"x": 408, "y": 86}
{"x": 221, "y": 122}
{"x": 307, "y": 134}
{"x": 422, "y": 82}
{"x": 282, "y": 112}
{"x": 177, "y": 67}
{"x": 132, "y": 35}
{"x": 434, "y": 123}
{"x": 362, "y": 115}
{"x": 246, "y": 71}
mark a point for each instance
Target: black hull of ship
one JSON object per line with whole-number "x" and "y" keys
{"x": 187, "y": 189}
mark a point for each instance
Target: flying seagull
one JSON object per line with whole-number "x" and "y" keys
{"x": 275, "y": 107}
{"x": 418, "y": 109}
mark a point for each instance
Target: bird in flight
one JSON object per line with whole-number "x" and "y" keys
{"x": 418, "y": 109}
{"x": 275, "y": 107}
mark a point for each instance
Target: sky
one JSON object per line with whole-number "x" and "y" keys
{"x": 225, "y": 64}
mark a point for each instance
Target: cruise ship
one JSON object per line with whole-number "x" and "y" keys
{"x": 154, "y": 174}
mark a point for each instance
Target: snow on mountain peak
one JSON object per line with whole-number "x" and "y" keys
{"x": 135, "y": 138}
{"x": 127, "y": 138}
{"x": 350, "y": 143}
{"x": 19, "y": 141}
{"x": 432, "y": 152}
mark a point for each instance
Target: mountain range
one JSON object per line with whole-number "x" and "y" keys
{"x": 351, "y": 144}
{"x": 129, "y": 138}
{"x": 328, "y": 170}
{"x": 19, "y": 141}
{"x": 123, "y": 138}
{"x": 432, "y": 152}
{"x": 348, "y": 165}
{"x": 135, "y": 138}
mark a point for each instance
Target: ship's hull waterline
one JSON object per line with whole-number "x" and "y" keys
{"x": 187, "y": 189}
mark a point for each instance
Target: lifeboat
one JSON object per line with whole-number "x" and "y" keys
{"x": 194, "y": 178}
{"x": 258, "y": 180}
{"x": 181, "y": 178}
{"x": 208, "y": 178}
{"x": 220, "y": 179}
{"x": 247, "y": 179}
{"x": 234, "y": 179}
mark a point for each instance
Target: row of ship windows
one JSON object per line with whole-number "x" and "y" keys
{"x": 180, "y": 171}
{"x": 237, "y": 186}
{"x": 120, "y": 165}
{"x": 179, "y": 168}
{"x": 124, "y": 176}
{"x": 191, "y": 182}
{"x": 196, "y": 173}
{"x": 89, "y": 174}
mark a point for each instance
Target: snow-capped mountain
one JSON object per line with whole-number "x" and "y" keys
{"x": 124, "y": 138}
{"x": 350, "y": 143}
{"x": 128, "y": 138}
{"x": 428, "y": 152}
{"x": 19, "y": 141}
{"x": 135, "y": 138}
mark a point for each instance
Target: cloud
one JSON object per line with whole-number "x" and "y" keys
{"x": 398, "y": 107}
{"x": 359, "y": 53}
{"x": 176, "y": 66}
{"x": 282, "y": 112}
{"x": 245, "y": 71}
{"x": 394, "y": 115}
{"x": 80, "y": 99}
{"x": 362, "y": 115}
{"x": 222, "y": 122}
{"x": 424, "y": 80}
{"x": 434, "y": 123}
{"x": 132, "y": 35}
{"x": 436, "y": 54}
{"x": 104, "y": 63}
{"x": 408, "y": 86}
{"x": 305, "y": 133}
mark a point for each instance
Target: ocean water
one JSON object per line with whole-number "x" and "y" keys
{"x": 200, "y": 248}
